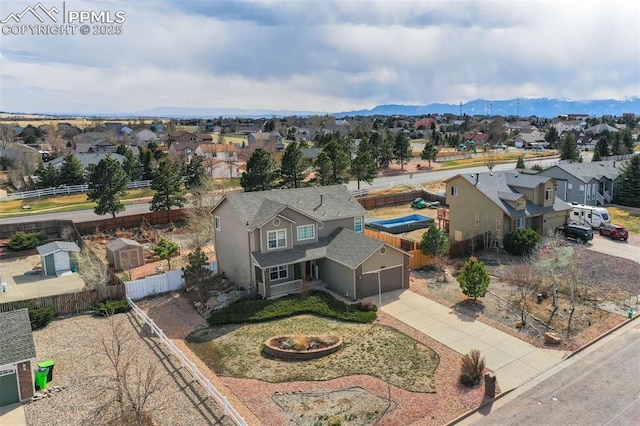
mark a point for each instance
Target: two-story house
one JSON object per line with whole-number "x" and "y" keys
{"x": 273, "y": 241}
{"x": 591, "y": 183}
{"x": 502, "y": 202}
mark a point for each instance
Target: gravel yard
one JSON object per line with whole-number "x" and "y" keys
{"x": 81, "y": 369}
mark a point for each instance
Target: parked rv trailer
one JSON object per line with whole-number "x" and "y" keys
{"x": 589, "y": 215}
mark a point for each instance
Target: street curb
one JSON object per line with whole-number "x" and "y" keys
{"x": 577, "y": 351}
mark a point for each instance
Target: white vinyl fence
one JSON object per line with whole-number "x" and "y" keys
{"x": 161, "y": 283}
{"x": 186, "y": 363}
{"x": 65, "y": 189}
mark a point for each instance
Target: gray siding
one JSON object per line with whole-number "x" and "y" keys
{"x": 300, "y": 220}
{"x": 570, "y": 197}
{"x": 338, "y": 277}
{"x": 390, "y": 258}
{"x": 331, "y": 225}
{"x": 277, "y": 223}
{"x": 232, "y": 245}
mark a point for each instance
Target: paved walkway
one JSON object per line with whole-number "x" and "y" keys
{"x": 12, "y": 415}
{"x": 513, "y": 361}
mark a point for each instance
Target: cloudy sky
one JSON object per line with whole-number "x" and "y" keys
{"x": 320, "y": 55}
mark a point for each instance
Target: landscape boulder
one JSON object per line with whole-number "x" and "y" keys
{"x": 552, "y": 338}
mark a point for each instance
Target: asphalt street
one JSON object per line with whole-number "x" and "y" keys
{"x": 598, "y": 386}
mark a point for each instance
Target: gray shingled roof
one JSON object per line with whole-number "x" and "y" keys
{"x": 344, "y": 246}
{"x": 57, "y": 246}
{"x": 587, "y": 171}
{"x": 498, "y": 185}
{"x": 320, "y": 203}
{"x": 16, "y": 339}
{"x": 119, "y": 243}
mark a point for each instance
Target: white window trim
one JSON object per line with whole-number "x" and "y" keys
{"x": 313, "y": 232}
{"x": 216, "y": 222}
{"x": 498, "y": 224}
{"x": 277, "y": 270}
{"x": 548, "y": 194}
{"x": 275, "y": 231}
{"x": 520, "y": 220}
{"x": 357, "y": 221}
{"x": 569, "y": 188}
{"x": 454, "y": 191}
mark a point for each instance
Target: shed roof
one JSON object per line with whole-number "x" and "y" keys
{"x": 119, "y": 243}
{"x": 16, "y": 338}
{"x": 57, "y": 246}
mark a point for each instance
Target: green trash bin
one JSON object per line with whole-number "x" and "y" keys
{"x": 41, "y": 378}
{"x": 49, "y": 364}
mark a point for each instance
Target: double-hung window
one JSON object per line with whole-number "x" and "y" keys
{"x": 548, "y": 193}
{"x": 276, "y": 239}
{"x": 357, "y": 224}
{"x": 520, "y": 223}
{"x": 216, "y": 223}
{"x": 278, "y": 273}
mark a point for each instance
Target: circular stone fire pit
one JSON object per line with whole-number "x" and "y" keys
{"x": 298, "y": 347}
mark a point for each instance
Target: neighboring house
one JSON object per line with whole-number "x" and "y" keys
{"x": 263, "y": 138}
{"x": 58, "y": 257}
{"x": 88, "y": 159}
{"x": 562, "y": 126}
{"x": 181, "y": 137}
{"x": 529, "y": 140}
{"x": 274, "y": 241}
{"x": 17, "y": 353}
{"x": 599, "y": 128}
{"x": 220, "y": 160}
{"x": 124, "y": 254}
{"x": 183, "y": 149}
{"x": 591, "y": 183}
{"x": 100, "y": 145}
{"x": 22, "y": 154}
{"x": 144, "y": 136}
{"x": 501, "y": 202}
{"x": 89, "y": 137}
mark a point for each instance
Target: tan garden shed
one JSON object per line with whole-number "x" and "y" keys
{"x": 123, "y": 253}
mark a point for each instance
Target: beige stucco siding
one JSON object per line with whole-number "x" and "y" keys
{"x": 553, "y": 220}
{"x": 233, "y": 259}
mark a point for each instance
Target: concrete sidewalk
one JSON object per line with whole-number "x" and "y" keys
{"x": 513, "y": 361}
{"x": 12, "y": 415}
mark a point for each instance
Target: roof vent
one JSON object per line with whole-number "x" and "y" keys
{"x": 322, "y": 200}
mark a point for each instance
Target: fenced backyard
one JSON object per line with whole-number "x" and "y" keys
{"x": 69, "y": 303}
{"x": 63, "y": 190}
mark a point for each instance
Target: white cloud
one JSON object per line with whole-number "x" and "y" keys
{"x": 325, "y": 56}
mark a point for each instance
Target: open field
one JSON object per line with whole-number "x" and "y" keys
{"x": 78, "y": 122}
{"x": 628, "y": 217}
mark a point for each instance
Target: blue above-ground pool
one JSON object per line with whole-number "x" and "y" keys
{"x": 402, "y": 224}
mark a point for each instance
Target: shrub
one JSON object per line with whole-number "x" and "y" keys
{"x": 473, "y": 279}
{"x": 522, "y": 242}
{"x": 41, "y": 317}
{"x": 365, "y": 306}
{"x": 472, "y": 366}
{"x": 317, "y": 303}
{"x": 111, "y": 306}
{"x": 25, "y": 241}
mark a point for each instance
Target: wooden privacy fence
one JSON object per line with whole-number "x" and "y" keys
{"x": 186, "y": 363}
{"x": 374, "y": 202}
{"x": 69, "y": 303}
{"x": 131, "y": 221}
{"x": 418, "y": 258}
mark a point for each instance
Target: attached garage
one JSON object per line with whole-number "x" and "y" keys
{"x": 17, "y": 352}
{"x": 390, "y": 279}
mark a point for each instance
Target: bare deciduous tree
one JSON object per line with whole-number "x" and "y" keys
{"x": 526, "y": 280}
{"x": 92, "y": 269}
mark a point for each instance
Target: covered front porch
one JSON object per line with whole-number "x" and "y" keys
{"x": 280, "y": 280}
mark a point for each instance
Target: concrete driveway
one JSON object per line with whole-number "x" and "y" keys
{"x": 625, "y": 249}
{"x": 513, "y": 361}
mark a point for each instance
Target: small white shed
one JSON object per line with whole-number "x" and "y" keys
{"x": 58, "y": 257}
{"x": 123, "y": 253}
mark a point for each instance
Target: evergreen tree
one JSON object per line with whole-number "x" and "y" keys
{"x": 48, "y": 177}
{"x": 364, "y": 166}
{"x": 194, "y": 173}
{"x": 628, "y": 190}
{"x": 520, "y": 164}
{"x": 473, "y": 279}
{"x": 386, "y": 152}
{"x": 293, "y": 166}
{"x": 130, "y": 164}
{"x": 148, "y": 163}
{"x": 551, "y": 136}
{"x": 374, "y": 143}
{"x": 569, "y": 148}
{"x": 167, "y": 182}
{"x": 261, "y": 172}
{"x": 617, "y": 147}
{"x": 430, "y": 152}
{"x": 627, "y": 141}
{"x": 402, "y": 149}
{"x": 596, "y": 156}
{"x": 602, "y": 147}
{"x": 165, "y": 248}
{"x": 434, "y": 242}
{"x": 107, "y": 183}
{"x": 71, "y": 172}
{"x": 332, "y": 164}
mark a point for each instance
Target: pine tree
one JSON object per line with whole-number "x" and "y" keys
{"x": 194, "y": 173}
{"x": 430, "y": 152}
{"x": 364, "y": 166}
{"x": 261, "y": 172}
{"x": 130, "y": 164}
{"x": 569, "y": 148}
{"x": 520, "y": 163}
{"x": 167, "y": 182}
{"x": 602, "y": 147}
{"x": 628, "y": 190}
{"x": 292, "y": 169}
{"x": 165, "y": 248}
{"x": 386, "y": 152}
{"x": 434, "y": 242}
{"x": 402, "y": 149}
{"x": 71, "y": 172}
{"x": 48, "y": 177}
{"x": 333, "y": 164}
{"x": 108, "y": 182}
{"x": 473, "y": 279}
